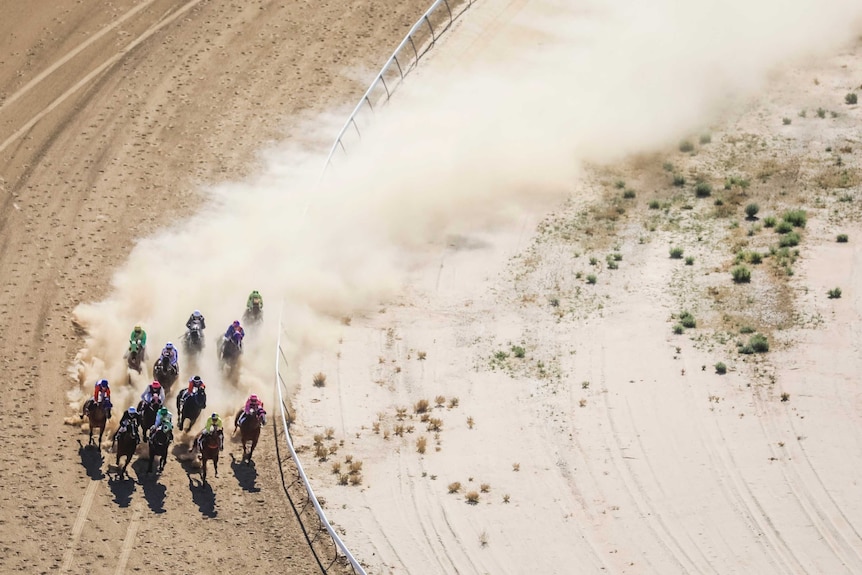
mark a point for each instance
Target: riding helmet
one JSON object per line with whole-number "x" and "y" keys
{"x": 196, "y": 379}
{"x": 169, "y": 345}
{"x": 196, "y": 313}
{"x": 156, "y": 385}
{"x": 138, "y": 327}
{"x": 103, "y": 383}
{"x": 236, "y": 323}
{"x": 132, "y": 410}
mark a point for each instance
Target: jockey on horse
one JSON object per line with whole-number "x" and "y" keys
{"x": 252, "y": 404}
{"x": 254, "y": 300}
{"x": 232, "y": 330}
{"x": 195, "y": 384}
{"x": 129, "y": 422}
{"x": 214, "y": 424}
{"x": 154, "y": 390}
{"x": 101, "y": 396}
{"x": 171, "y": 352}
{"x": 165, "y": 420}
{"x": 138, "y": 339}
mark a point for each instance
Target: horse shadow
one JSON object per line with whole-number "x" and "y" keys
{"x": 203, "y": 496}
{"x": 154, "y": 492}
{"x": 246, "y": 475}
{"x": 92, "y": 460}
{"x": 122, "y": 489}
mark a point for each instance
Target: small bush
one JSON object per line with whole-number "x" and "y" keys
{"x": 821, "y": 113}
{"x": 667, "y": 167}
{"x": 705, "y": 138}
{"x": 720, "y": 368}
{"x": 591, "y": 279}
{"x": 751, "y": 211}
{"x": 676, "y": 253}
{"x": 842, "y": 238}
{"x": 755, "y": 257}
{"x": 629, "y": 194}
{"x": 619, "y": 184}
{"x": 518, "y": 351}
{"x": 319, "y": 379}
{"x": 686, "y": 146}
{"x": 784, "y": 227}
{"x": 703, "y": 190}
{"x": 746, "y": 329}
{"x": 769, "y": 222}
{"x": 439, "y": 400}
{"x": 785, "y": 396}
{"x": 786, "y": 121}
{"x": 678, "y": 329}
{"x": 422, "y": 406}
{"x": 759, "y": 343}
{"x": 689, "y": 260}
{"x": 594, "y": 261}
{"x": 687, "y": 320}
{"x": 678, "y": 180}
{"x": 834, "y": 293}
{"x": 797, "y": 218}
{"x": 789, "y": 240}
{"x": 851, "y": 98}
{"x": 422, "y": 444}
{"x": 454, "y": 487}
{"x": 741, "y": 274}
{"x": 654, "y": 205}
{"x": 472, "y": 497}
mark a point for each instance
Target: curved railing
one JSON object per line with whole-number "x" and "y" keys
{"x": 418, "y": 41}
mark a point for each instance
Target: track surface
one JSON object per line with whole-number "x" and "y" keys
{"x": 110, "y": 115}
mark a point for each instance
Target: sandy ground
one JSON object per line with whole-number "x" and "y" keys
{"x": 111, "y": 118}
{"x": 591, "y": 437}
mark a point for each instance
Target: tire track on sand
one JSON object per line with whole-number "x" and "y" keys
{"x": 129, "y": 542}
{"x": 78, "y": 527}
{"x": 104, "y": 66}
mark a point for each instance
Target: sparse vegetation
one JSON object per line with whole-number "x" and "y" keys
{"x": 741, "y": 274}
{"x": 591, "y": 279}
{"x": 834, "y": 293}
{"x": 786, "y": 121}
{"x": 687, "y": 320}
{"x": 470, "y": 422}
{"x": 678, "y": 180}
{"x": 785, "y": 396}
{"x": 720, "y": 368}
{"x": 703, "y": 189}
{"x": 784, "y": 227}
{"x": 851, "y": 99}
{"x": 453, "y": 403}
{"x": 705, "y": 138}
{"x": 797, "y": 218}
{"x": 420, "y": 355}
{"x": 689, "y": 260}
{"x": 421, "y": 406}
{"x": 454, "y": 487}
{"x": 676, "y": 253}
{"x": 516, "y": 467}
{"x": 319, "y": 379}
{"x": 686, "y": 146}
{"x": 751, "y": 211}
{"x": 629, "y": 194}
{"x": 485, "y": 488}
{"x": 678, "y": 329}
{"x": 842, "y": 238}
{"x": 518, "y": 351}
{"x": 769, "y": 222}
{"x": 654, "y": 204}
{"x": 439, "y": 401}
{"x": 789, "y": 240}
{"x": 421, "y": 444}
{"x": 472, "y": 497}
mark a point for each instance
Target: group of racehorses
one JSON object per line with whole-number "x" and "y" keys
{"x": 160, "y": 439}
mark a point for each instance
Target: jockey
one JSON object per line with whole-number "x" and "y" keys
{"x": 102, "y": 392}
{"x": 196, "y": 318}
{"x": 138, "y": 337}
{"x": 130, "y": 421}
{"x": 253, "y": 403}
{"x": 154, "y": 390}
{"x": 163, "y": 417}
{"x": 214, "y": 424}
{"x": 233, "y": 328}
{"x": 254, "y": 298}
{"x": 195, "y": 384}
{"x": 171, "y": 351}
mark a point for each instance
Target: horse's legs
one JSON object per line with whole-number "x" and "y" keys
{"x": 215, "y": 465}
{"x": 250, "y": 451}
{"x": 150, "y": 463}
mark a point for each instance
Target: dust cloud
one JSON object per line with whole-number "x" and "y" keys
{"x": 461, "y": 147}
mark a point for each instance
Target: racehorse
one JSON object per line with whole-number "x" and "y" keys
{"x": 194, "y": 339}
{"x": 159, "y": 442}
{"x": 231, "y": 350}
{"x": 135, "y": 357}
{"x": 254, "y": 315}
{"x": 165, "y": 373}
{"x": 98, "y": 416}
{"x": 209, "y": 450}
{"x": 249, "y": 431}
{"x": 190, "y": 406}
{"x": 127, "y": 442}
{"x": 148, "y": 415}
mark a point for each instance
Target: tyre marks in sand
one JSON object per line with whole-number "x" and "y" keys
{"x": 78, "y": 527}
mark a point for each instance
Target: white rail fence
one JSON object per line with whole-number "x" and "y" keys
{"x": 419, "y": 40}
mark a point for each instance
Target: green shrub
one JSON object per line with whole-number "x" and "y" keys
{"x": 678, "y": 180}
{"x": 789, "y": 240}
{"x": 821, "y": 113}
{"x": 784, "y": 227}
{"x": 687, "y": 320}
{"x": 678, "y": 329}
{"x": 797, "y": 218}
{"x": 759, "y": 343}
{"x": 591, "y": 278}
{"x": 746, "y": 329}
{"x": 619, "y": 184}
{"x": 718, "y": 202}
{"x": 850, "y": 98}
{"x": 720, "y": 368}
{"x": 842, "y": 238}
{"x": 741, "y": 274}
{"x": 676, "y": 253}
{"x": 689, "y": 260}
{"x": 686, "y": 146}
{"x": 705, "y": 138}
{"x": 654, "y": 205}
{"x": 629, "y": 194}
{"x": 518, "y": 351}
{"x": 755, "y": 257}
{"x": 703, "y": 190}
{"x": 751, "y": 210}
{"x": 769, "y": 222}
{"x": 594, "y": 261}
{"x": 834, "y": 293}
{"x": 667, "y": 167}
{"x": 786, "y": 121}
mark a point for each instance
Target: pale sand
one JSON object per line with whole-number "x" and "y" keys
{"x": 630, "y": 456}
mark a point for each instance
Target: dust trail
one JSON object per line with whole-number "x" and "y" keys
{"x": 580, "y": 82}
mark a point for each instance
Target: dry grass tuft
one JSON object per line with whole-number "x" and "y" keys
{"x": 472, "y": 497}
{"x": 435, "y": 424}
{"x": 470, "y": 422}
{"x": 421, "y": 444}
{"x": 454, "y": 487}
{"x": 453, "y": 402}
{"x": 485, "y": 488}
{"x": 319, "y": 379}
{"x": 421, "y": 406}
{"x": 439, "y": 401}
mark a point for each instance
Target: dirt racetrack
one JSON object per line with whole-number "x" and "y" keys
{"x": 111, "y": 115}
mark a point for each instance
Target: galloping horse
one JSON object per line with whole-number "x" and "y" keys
{"x": 148, "y": 416}
{"x": 127, "y": 442}
{"x": 231, "y": 350}
{"x": 254, "y": 315}
{"x": 209, "y": 450}
{"x": 159, "y": 442}
{"x": 135, "y": 357}
{"x": 98, "y": 416}
{"x": 249, "y": 432}
{"x": 165, "y": 373}
{"x": 190, "y": 406}
{"x": 194, "y": 339}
